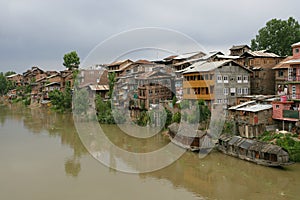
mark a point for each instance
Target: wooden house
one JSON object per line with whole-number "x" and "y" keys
{"x": 32, "y": 75}
{"x": 118, "y": 67}
{"x": 67, "y": 77}
{"x": 154, "y": 86}
{"x": 17, "y": 79}
{"x": 238, "y": 50}
{"x": 261, "y": 63}
{"x": 251, "y": 118}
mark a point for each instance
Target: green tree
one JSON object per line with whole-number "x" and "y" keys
{"x": 61, "y": 101}
{"x": 204, "y": 112}
{"x": 111, "y": 83}
{"x": 3, "y": 84}
{"x": 176, "y": 117}
{"x": 71, "y": 60}
{"x": 277, "y": 36}
{"x": 8, "y": 73}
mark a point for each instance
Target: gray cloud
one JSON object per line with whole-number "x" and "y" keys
{"x": 39, "y": 33}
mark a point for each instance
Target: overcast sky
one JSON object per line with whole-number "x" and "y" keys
{"x": 40, "y": 32}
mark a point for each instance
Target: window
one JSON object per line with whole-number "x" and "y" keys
{"x": 225, "y": 79}
{"x": 225, "y": 91}
{"x": 206, "y": 76}
{"x": 225, "y": 100}
{"x": 219, "y": 79}
{"x": 297, "y": 50}
{"x": 239, "y": 91}
{"x": 219, "y": 101}
{"x": 277, "y": 106}
{"x": 232, "y": 91}
{"x": 293, "y": 92}
{"x": 280, "y": 73}
{"x": 245, "y": 91}
{"x": 211, "y": 76}
{"x": 239, "y": 79}
{"x": 245, "y": 79}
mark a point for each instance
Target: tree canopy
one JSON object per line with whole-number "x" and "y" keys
{"x": 9, "y": 73}
{"x": 277, "y": 36}
{"x": 71, "y": 60}
{"x": 3, "y": 84}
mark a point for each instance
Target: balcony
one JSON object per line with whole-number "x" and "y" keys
{"x": 291, "y": 114}
{"x": 293, "y": 78}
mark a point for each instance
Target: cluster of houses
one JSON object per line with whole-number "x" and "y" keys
{"x": 259, "y": 89}
{"x": 40, "y": 82}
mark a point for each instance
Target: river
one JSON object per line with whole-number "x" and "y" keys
{"x": 42, "y": 157}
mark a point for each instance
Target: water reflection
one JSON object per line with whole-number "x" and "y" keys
{"x": 40, "y": 121}
{"x": 217, "y": 176}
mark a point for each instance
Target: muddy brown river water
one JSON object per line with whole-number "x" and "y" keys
{"x": 42, "y": 157}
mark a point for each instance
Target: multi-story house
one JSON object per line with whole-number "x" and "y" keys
{"x": 67, "y": 77}
{"x": 216, "y": 82}
{"x": 127, "y": 84}
{"x": 251, "y": 118}
{"x": 288, "y": 86}
{"x": 154, "y": 87}
{"x": 180, "y": 59}
{"x": 32, "y": 75}
{"x": 287, "y": 75}
{"x": 281, "y": 76}
{"x": 261, "y": 63}
{"x": 118, "y": 67}
{"x": 15, "y": 78}
{"x": 238, "y": 50}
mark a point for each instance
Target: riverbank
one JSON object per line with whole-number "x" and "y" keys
{"x": 286, "y": 140}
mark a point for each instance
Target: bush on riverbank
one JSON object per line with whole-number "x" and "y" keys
{"x": 287, "y": 141}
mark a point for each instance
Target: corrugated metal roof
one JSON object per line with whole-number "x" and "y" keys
{"x": 203, "y": 66}
{"x": 293, "y": 61}
{"x": 99, "y": 87}
{"x": 13, "y": 75}
{"x": 262, "y": 53}
{"x": 241, "y": 105}
{"x": 228, "y": 57}
{"x": 283, "y": 64}
{"x": 234, "y": 140}
{"x": 187, "y": 55}
{"x": 234, "y": 47}
{"x": 255, "y": 108}
{"x": 119, "y": 62}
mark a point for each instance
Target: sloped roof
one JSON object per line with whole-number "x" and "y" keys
{"x": 204, "y": 66}
{"x": 153, "y": 74}
{"x": 13, "y": 75}
{"x": 255, "y": 108}
{"x": 99, "y": 87}
{"x": 123, "y": 67}
{"x": 241, "y": 105}
{"x": 293, "y": 61}
{"x": 227, "y": 57}
{"x": 187, "y": 55}
{"x": 283, "y": 64}
{"x": 145, "y": 62}
{"x": 235, "y": 47}
{"x": 261, "y": 53}
{"x": 119, "y": 62}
